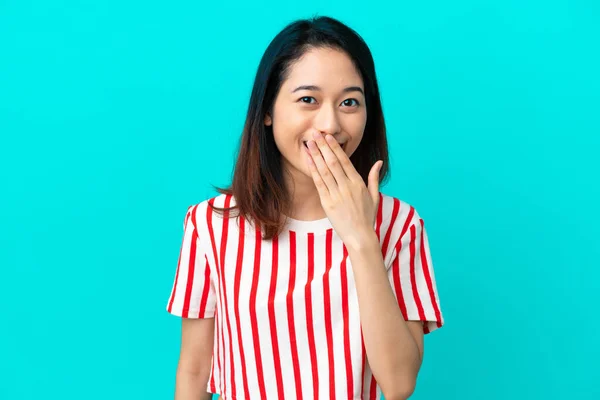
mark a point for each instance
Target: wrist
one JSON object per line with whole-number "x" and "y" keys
{"x": 361, "y": 242}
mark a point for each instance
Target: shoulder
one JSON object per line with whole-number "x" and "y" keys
{"x": 397, "y": 212}
{"x": 396, "y": 218}
{"x": 201, "y": 214}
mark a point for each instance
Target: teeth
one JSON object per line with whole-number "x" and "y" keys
{"x": 342, "y": 145}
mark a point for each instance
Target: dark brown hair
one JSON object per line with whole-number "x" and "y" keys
{"x": 258, "y": 181}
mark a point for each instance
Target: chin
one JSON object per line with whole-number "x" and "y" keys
{"x": 305, "y": 171}
{"x": 297, "y": 168}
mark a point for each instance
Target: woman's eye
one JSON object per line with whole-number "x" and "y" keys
{"x": 307, "y": 99}
{"x": 348, "y": 102}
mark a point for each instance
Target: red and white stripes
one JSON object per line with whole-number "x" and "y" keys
{"x": 286, "y": 310}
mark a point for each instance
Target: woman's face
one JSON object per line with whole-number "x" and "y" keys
{"x": 324, "y": 92}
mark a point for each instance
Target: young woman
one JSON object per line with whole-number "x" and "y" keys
{"x": 302, "y": 280}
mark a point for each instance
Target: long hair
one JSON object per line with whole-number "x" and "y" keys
{"x": 258, "y": 185}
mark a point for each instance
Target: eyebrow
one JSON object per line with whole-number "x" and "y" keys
{"x": 318, "y": 89}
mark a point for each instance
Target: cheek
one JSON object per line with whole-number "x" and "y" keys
{"x": 351, "y": 149}
{"x": 355, "y": 142}
{"x": 289, "y": 126}
{"x": 290, "y": 120}
{"x": 356, "y": 130}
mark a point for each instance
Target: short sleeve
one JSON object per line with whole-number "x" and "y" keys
{"x": 412, "y": 277}
{"x": 193, "y": 293}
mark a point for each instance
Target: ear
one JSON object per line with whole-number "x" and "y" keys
{"x": 268, "y": 120}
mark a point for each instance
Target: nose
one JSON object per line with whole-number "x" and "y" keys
{"x": 326, "y": 121}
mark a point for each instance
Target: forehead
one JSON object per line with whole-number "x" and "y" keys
{"x": 327, "y": 68}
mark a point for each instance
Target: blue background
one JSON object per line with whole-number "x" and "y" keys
{"x": 115, "y": 116}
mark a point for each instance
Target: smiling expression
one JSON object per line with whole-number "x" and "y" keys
{"x": 323, "y": 92}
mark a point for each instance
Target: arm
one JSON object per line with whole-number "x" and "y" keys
{"x": 193, "y": 369}
{"x": 394, "y": 346}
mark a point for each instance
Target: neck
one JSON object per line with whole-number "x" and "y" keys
{"x": 305, "y": 200}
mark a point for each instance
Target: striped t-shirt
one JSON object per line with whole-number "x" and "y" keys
{"x": 287, "y": 322}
